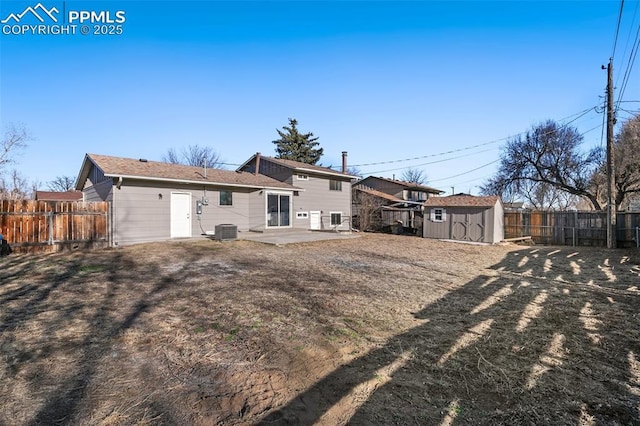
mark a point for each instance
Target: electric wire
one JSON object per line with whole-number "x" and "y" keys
{"x": 577, "y": 116}
{"x": 615, "y": 40}
{"x": 629, "y": 67}
{"x": 626, "y": 46}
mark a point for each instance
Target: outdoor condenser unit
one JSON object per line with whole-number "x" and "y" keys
{"x": 226, "y": 232}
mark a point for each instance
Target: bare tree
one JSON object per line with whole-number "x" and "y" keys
{"x": 14, "y": 186}
{"x": 62, "y": 184}
{"x": 194, "y": 155}
{"x": 416, "y": 176}
{"x": 354, "y": 171}
{"x": 367, "y": 209}
{"x": 627, "y": 167}
{"x": 14, "y": 140}
{"x": 547, "y": 156}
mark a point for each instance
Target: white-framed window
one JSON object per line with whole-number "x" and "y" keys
{"x": 302, "y": 177}
{"x": 335, "y": 185}
{"x": 302, "y": 215}
{"x": 226, "y": 198}
{"x": 336, "y": 218}
{"x": 438, "y": 215}
{"x": 279, "y": 209}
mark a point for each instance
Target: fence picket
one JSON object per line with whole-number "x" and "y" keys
{"x": 33, "y": 225}
{"x": 571, "y": 228}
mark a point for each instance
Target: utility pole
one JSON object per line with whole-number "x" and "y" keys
{"x": 611, "y": 175}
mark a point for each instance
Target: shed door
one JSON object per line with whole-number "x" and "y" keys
{"x": 180, "y": 214}
{"x": 468, "y": 226}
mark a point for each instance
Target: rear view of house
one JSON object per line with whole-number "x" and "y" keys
{"x": 323, "y": 201}
{"x": 154, "y": 201}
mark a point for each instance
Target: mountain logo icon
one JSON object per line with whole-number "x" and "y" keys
{"x": 39, "y": 11}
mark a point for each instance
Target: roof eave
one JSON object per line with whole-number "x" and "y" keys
{"x": 214, "y": 183}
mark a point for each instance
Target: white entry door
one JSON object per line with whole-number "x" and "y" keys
{"x": 180, "y": 214}
{"x": 314, "y": 220}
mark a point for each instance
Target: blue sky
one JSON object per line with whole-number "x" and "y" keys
{"x": 384, "y": 81}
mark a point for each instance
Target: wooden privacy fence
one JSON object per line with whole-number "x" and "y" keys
{"x": 54, "y": 225}
{"x": 572, "y": 228}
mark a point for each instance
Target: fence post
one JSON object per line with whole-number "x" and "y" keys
{"x": 637, "y": 242}
{"x": 50, "y": 228}
{"x": 573, "y": 231}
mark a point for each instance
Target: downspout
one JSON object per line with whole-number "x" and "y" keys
{"x": 115, "y": 211}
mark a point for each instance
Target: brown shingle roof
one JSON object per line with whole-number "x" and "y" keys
{"x": 408, "y": 185}
{"x": 462, "y": 201}
{"x": 379, "y": 194}
{"x": 128, "y": 167}
{"x": 58, "y": 196}
{"x": 297, "y": 165}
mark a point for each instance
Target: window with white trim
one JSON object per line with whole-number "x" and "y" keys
{"x": 302, "y": 177}
{"x": 226, "y": 198}
{"x": 335, "y": 185}
{"x": 302, "y": 215}
{"x": 438, "y": 215}
{"x": 336, "y": 218}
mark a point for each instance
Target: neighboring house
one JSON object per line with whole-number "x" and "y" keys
{"x": 58, "y": 196}
{"x": 410, "y": 194}
{"x": 324, "y": 201}
{"x": 464, "y": 217}
{"x": 381, "y": 204}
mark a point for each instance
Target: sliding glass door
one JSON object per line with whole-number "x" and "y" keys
{"x": 278, "y": 210}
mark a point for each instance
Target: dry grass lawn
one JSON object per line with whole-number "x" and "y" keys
{"x": 380, "y": 329}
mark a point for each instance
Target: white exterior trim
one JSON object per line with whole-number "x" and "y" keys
{"x": 266, "y": 209}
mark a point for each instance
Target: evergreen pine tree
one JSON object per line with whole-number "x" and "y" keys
{"x": 294, "y": 145}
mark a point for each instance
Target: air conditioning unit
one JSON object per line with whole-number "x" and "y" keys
{"x": 226, "y": 232}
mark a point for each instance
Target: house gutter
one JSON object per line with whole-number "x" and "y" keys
{"x": 199, "y": 182}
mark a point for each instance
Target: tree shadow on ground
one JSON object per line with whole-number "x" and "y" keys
{"x": 61, "y": 323}
{"x": 546, "y": 336}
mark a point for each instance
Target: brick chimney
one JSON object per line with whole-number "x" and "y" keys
{"x": 344, "y": 161}
{"x": 257, "y": 164}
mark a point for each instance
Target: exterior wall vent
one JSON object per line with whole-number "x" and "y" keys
{"x": 226, "y": 232}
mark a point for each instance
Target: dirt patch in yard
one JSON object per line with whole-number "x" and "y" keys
{"x": 380, "y": 329}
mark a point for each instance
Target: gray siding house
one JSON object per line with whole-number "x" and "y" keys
{"x": 154, "y": 201}
{"x": 464, "y": 217}
{"x": 324, "y": 201}
{"x": 409, "y": 193}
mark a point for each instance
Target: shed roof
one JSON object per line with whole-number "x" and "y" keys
{"x": 463, "y": 201}
{"x": 155, "y": 170}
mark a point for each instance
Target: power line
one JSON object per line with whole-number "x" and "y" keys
{"x": 626, "y": 45}
{"x": 630, "y": 62}
{"x": 494, "y": 161}
{"x": 467, "y": 172}
{"x": 430, "y": 162}
{"x": 615, "y": 40}
{"x": 577, "y": 116}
